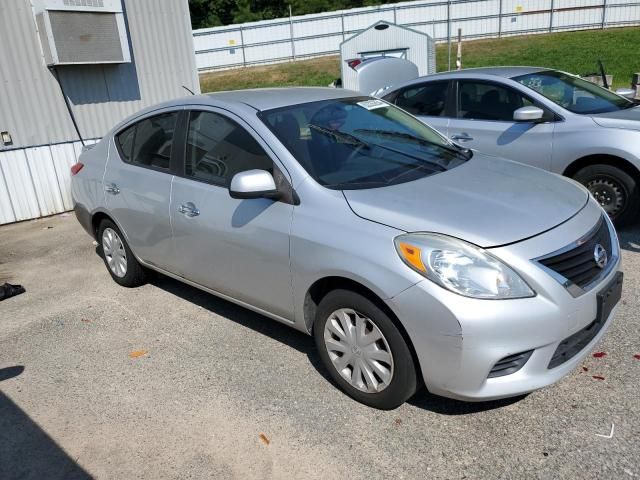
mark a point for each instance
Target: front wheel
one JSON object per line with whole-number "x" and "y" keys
{"x": 614, "y": 189}
{"x": 363, "y": 350}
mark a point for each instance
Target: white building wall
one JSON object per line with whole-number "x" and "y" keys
{"x": 35, "y": 182}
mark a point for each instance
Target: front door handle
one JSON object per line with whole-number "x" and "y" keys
{"x": 112, "y": 189}
{"x": 189, "y": 209}
{"x": 462, "y": 137}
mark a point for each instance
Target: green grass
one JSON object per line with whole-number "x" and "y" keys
{"x": 575, "y": 52}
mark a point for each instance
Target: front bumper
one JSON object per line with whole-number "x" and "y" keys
{"x": 458, "y": 340}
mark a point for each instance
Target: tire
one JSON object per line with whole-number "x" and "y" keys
{"x": 615, "y": 190}
{"x": 392, "y": 368}
{"x": 117, "y": 256}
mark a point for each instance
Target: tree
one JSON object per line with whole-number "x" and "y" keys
{"x": 242, "y": 12}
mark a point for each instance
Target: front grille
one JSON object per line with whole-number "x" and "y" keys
{"x": 510, "y": 364}
{"x": 572, "y": 345}
{"x": 578, "y": 265}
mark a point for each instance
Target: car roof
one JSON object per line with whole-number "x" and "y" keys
{"x": 506, "y": 72}
{"x": 268, "y": 98}
{"x": 259, "y": 99}
{"x": 481, "y": 73}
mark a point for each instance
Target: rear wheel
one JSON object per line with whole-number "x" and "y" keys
{"x": 117, "y": 256}
{"x": 614, "y": 189}
{"x": 363, "y": 350}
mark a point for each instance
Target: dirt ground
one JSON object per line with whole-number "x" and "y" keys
{"x": 165, "y": 381}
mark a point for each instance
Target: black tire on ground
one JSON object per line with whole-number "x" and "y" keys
{"x": 404, "y": 381}
{"x": 135, "y": 274}
{"x": 615, "y": 189}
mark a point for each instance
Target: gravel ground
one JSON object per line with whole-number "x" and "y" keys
{"x": 165, "y": 381}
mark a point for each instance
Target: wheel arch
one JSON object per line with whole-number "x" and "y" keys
{"x": 321, "y": 287}
{"x": 96, "y": 220}
{"x": 603, "y": 159}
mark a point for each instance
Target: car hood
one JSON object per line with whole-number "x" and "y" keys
{"x": 486, "y": 201}
{"x": 628, "y": 119}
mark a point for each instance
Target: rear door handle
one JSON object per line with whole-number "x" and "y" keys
{"x": 189, "y": 209}
{"x": 112, "y": 189}
{"x": 463, "y": 137}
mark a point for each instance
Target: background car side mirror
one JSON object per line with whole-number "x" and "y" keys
{"x": 628, "y": 93}
{"x": 528, "y": 114}
{"x": 253, "y": 184}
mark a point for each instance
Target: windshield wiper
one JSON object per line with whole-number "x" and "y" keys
{"x": 354, "y": 140}
{"x": 422, "y": 141}
{"x": 344, "y": 136}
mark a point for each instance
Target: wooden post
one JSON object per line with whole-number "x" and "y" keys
{"x": 459, "y": 55}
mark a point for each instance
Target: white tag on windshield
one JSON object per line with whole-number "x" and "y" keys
{"x": 372, "y": 104}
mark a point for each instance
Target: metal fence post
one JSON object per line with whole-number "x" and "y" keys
{"x": 342, "y": 22}
{"x": 244, "y": 59}
{"x": 449, "y": 32}
{"x": 604, "y": 14}
{"x": 395, "y": 20}
{"x": 293, "y": 43}
{"x": 500, "y": 20}
{"x": 551, "y": 18}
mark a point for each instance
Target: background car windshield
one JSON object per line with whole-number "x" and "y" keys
{"x": 573, "y": 93}
{"x": 352, "y": 143}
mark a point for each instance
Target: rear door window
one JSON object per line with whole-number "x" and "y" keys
{"x": 427, "y": 99}
{"x": 148, "y": 143}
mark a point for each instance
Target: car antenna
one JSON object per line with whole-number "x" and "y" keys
{"x": 188, "y": 90}
{"x": 603, "y": 75}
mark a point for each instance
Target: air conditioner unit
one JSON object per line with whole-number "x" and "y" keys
{"x": 76, "y": 32}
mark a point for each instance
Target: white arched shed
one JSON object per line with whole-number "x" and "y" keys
{"x": 387, "y": 39}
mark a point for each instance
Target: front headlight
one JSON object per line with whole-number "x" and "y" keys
{"x": 460, "y": 267}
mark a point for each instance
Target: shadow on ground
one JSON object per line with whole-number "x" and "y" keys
{"x": 630, "y": 238}
{"x": 26, "y": 451}
{"x": 305, "y": 344}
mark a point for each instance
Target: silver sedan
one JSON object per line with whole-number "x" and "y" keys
{"x": 411, "y": 261}
{"x": 545, "y": 118}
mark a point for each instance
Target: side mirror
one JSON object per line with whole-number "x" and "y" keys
{"x": 253, "y": 184}
{"x": 629, "y": 93}
{"x": 528, "y": 114}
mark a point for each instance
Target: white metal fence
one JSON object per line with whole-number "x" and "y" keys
{"x": 271, "y": 41}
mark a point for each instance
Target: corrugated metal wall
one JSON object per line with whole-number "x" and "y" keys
{"x": 303, "y": 36}
{"x": 34, "y": 170}
{"x": 34, "y": 182}
{"x": 32, "y": 109}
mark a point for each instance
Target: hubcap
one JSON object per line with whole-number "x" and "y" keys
{"x": 114, "y": 252}
{"x": 608, "y": 193}
{"x": 358, "y": 350}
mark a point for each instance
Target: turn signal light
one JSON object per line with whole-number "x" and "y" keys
{"x": 76, "y": 168}
{"x": 412, "y": 255}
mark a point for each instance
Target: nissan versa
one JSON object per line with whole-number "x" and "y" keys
{"x": 545, "y": 118}
{"x": 409, "y": 259}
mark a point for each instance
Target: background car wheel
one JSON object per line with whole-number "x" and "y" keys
{"x": 615, "y": 190}
{"x": 363, "y": 350}
{"x": 117, "y": 256}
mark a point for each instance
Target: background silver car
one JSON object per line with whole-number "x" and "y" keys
{"x": 408, "y": 258}
{"x": 545, "y": 118}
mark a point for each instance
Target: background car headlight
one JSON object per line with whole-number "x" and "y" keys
{"x": 460, "y": 267}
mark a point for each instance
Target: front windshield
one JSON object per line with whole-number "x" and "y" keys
{"x": 353, "y": 143}
{"x": 573, "y": 93}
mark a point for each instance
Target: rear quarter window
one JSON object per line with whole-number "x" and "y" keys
{"x": 124, "y": 140}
